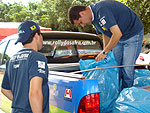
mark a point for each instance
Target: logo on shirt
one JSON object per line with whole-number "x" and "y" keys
{"x": 103, "y": 28}
{"x": 16, "y": 66}
{"x": 102, "y": 22}
{"x": 41, "y": 71}
{"x": 41, "y": 64}
{"x": 19, "y": 57}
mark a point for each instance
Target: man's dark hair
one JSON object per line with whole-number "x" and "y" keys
{"x": 31, "y": 37}
{"x": 73, "y": 12}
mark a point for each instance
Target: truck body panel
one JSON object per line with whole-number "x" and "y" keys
{"x": 69, "y": 91}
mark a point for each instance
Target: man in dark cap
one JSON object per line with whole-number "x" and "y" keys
{"x": 25, "y": 80}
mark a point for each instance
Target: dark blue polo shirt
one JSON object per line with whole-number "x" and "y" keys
{"x": 109, "y": 13}
{"x": 20, "y": 69}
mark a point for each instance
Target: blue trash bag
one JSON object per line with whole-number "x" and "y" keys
{"x": 108, "y": 80}
{"x": 141, "y": 81}
{"x": 142, "y": 78}
{"x": 141, "y": 73}
{"x": 133, "y": 100}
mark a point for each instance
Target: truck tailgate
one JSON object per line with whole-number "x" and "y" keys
{"x": 66, "y": 92}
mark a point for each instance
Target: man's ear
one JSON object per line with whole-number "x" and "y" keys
{"x": 82, "y": 13}
{"x": 36, "y": 36}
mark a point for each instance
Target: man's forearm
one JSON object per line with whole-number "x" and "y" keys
{"x": 7, "y": 93}
{"x": 105, "y": 40}
{"x": 36, "y": 101}
{"x": 116, "y": 35}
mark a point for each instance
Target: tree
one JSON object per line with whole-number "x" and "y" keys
{"x": 3, "y": 11}
{"x": 142, "y": 9}
{"x": 18, "y": 13}
{"x": 53, "y": 13}
{"x": 58, "y": 10}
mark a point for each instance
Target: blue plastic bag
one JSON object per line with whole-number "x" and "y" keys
{"x": 133, "y": 100}
{"x": 107, "y": 80}
{"x": 141, "y": 73}
{"x": 142, "y": 78}
{"x": 141, "y": 81}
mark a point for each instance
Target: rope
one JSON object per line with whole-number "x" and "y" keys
{"x": 110, "y": 67}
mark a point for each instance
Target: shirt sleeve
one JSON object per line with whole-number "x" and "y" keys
{"x": 38, "y": 67}
{"x": 106, "y": 18}
{"x": 98, "y": 32}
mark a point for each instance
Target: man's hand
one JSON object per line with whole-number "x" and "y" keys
{"x": 100, "y": 56}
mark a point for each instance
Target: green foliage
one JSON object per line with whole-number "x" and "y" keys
{"x": 53, "y": 13}
{"x": 17, "y": 13}
{"x": 142, "y": 9}
{"x": 3, "y": 11}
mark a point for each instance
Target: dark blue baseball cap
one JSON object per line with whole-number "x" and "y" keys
{"x": 25, "y": 29}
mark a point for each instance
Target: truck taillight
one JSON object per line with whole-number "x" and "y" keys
{"x": 142, "y": 58}
{"x": 90, "y": 104}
